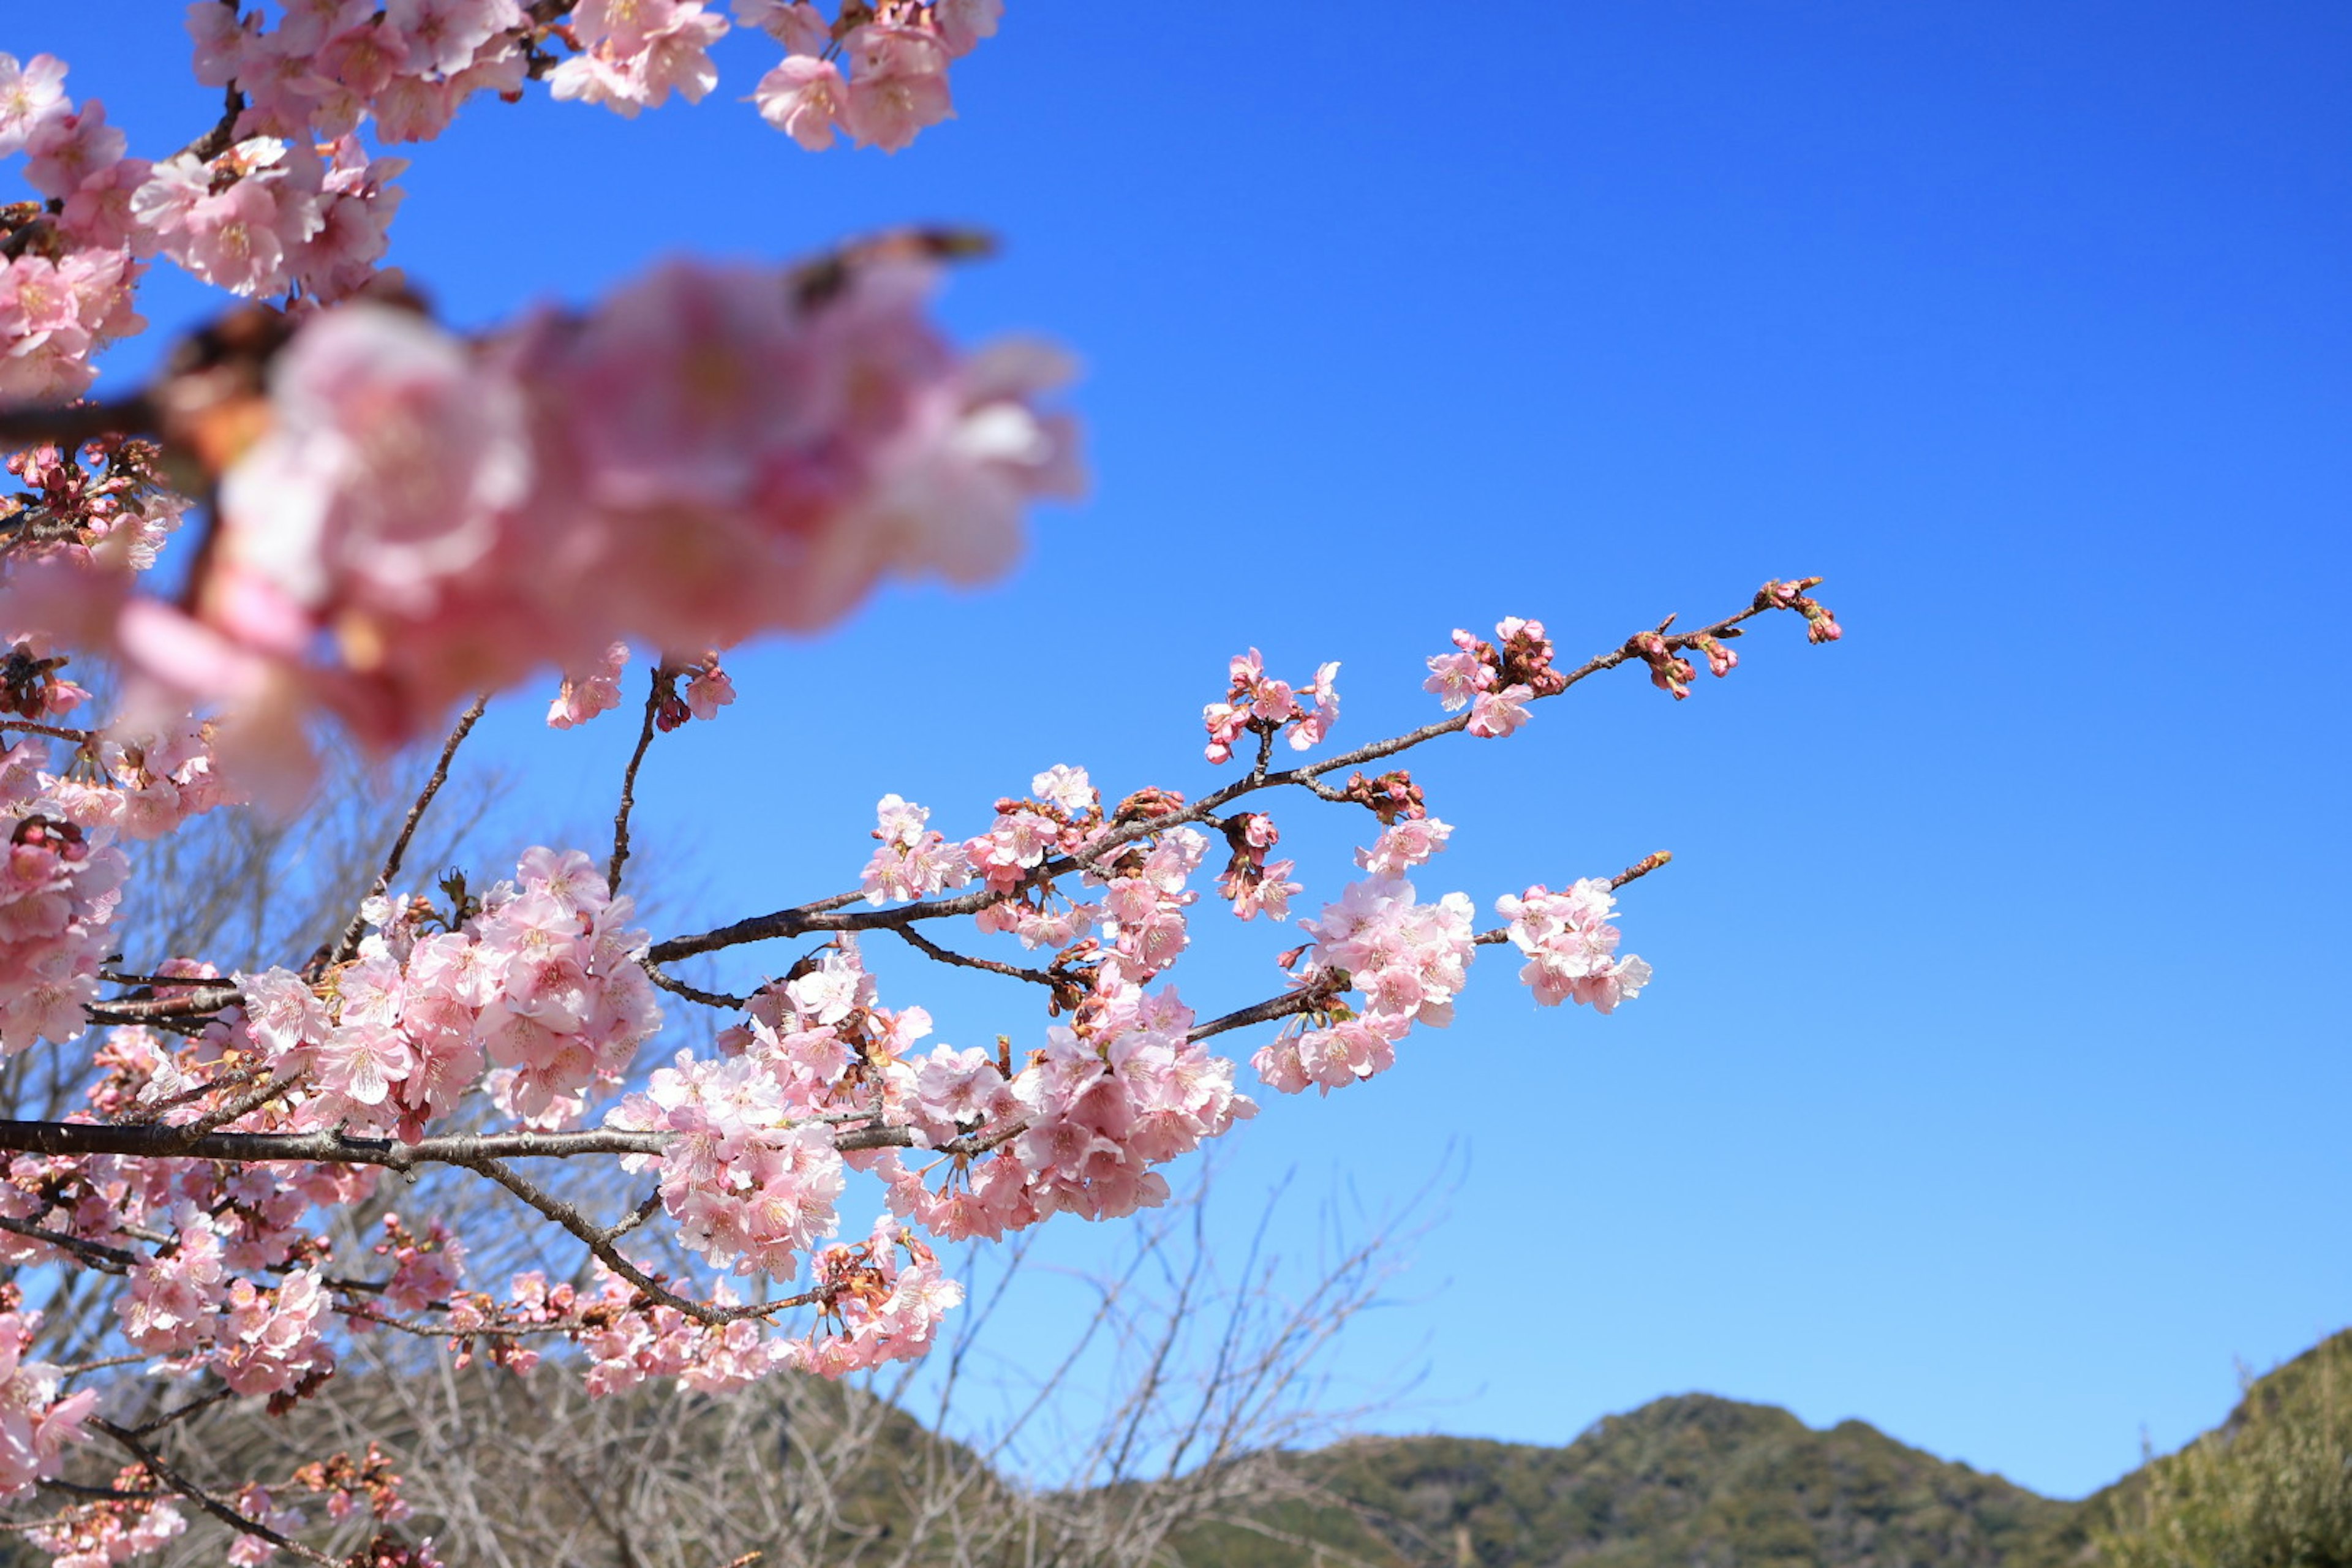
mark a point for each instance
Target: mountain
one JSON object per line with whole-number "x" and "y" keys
{"x": 816, "y": 1475}
{"x": 1694, "y": 1481}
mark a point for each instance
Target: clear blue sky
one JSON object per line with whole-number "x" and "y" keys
{"x": 1992, "y": 1086}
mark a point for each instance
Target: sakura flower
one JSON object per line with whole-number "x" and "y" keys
{"x": 708, "y": 689}
{"x": 806, "y": 99}
{"x": 1456, "y": 678}
{"x": 29, "y": 94}
{"x": 1066, "y": 787}
{"x": 595, "y": 692}
{"x": 898, "y": 84}
{"x": 34, "y": 1422}
{"x": 796, "y": 25}
{"x": 1493, "y": 714}
{"x": 1404, "y": 845}
{"x": 64, "y": 150}
{"x": 963, "y": 23}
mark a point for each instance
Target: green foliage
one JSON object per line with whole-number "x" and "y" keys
{"x": 2272, "y": 1488}
{"x": 1694, "y": 1481}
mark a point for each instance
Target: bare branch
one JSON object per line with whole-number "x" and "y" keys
{"x": 349, "y": 942}
{"x": 665, "y": 683}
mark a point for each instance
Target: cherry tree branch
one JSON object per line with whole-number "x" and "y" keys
{"x": 348, "y": 942}
{"x": 664, "y": 682}
{"x": 161, "y": 1469}
{"x": 830, "y": 914}
{"x": 71, "y": 426}
{"x": 965, "y": 961}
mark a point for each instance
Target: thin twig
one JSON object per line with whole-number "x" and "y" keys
{"x": 719, "y": 999}
{"x": 966, "y": 961}
{"x": 663, "y": 680}
{"x": 349, "y": 942}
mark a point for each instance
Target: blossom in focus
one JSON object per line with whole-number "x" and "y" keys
{"x": 1571, "y": 948}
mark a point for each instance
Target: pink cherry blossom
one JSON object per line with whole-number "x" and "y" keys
{"x": 593, "y": 691}
{"x": 35, "y": 1424}
{"x": 1571, "y": 949}
{"x": 1493, "y": 714}
{"x": 30, "y": 93}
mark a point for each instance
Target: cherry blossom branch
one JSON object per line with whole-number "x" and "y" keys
{"x": 665, "y": 683}
{"x": 830, "y": 914}
{"x": 1290, "y": 1005}
{"x": 676, "y": 987}
{"x": 54, "y": 731}
{"x": 966, "y": 961}
{"x": 349, "y": 942}
{"x": 444, "y": 1332}
{"x": 334, "y": 1148}
{"x": 161, "y": 1471}
{"x": 598, "y": 1240}
{"x": 1313, "y": 1000}
{"x": 109, "y": 1260}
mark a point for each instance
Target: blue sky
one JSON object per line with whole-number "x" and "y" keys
{"x": 1992, "y": 1086}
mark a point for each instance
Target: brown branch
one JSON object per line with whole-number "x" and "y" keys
{"x": 136, "y": 1009}
{"x": 598, "y": 1240}
{"x": 719, "y": 999}
{"x": 110, "y": 1260}
{"x": 965, "y": 959}
{"x": 1641, "y": 867}
{"x": 205, "y": 1402}
{"x": 159, "y": 981}
{"x": 223, "y": 136}
{"x": 54, "y": 731}
{"x": 349, "y": 942}
{"x": 162, "y": 1471}
{"x": 665, "y": 683}
{"x": 73, "y": 1139}
{"x": 1288, "y": 1005}
{"x": 70, "y": 426}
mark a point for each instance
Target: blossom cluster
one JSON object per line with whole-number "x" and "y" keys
{"x": 1252, "y": 883}
{"x": 873, "y": 1309}
{"x": 284, "y": 198}
{"x": 186, "y": 1300}
{"x": 1255, "y": 703}
{"x": 702, "y": 457}
{"x": 898, "y": 55}
{"x": 59, "y": 887}
{"x": 35, "y": 1420}
{"x": 1406, "y": 958}
{"x": 1496, "y": 683}
{"x": 116, "y": 1530}
{"x": 540, "y": 976}
{"x": 707, "y": 688}
{"x": 103, "y": 503}
{"x": 1081, "y": 1129}
{"x": 1571, "y": 948}
{"x": 914, "y": 861}
{"x": 269, "y": 215}
{"x": 408, "y": 64}
{"x": 143, "y": 783}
